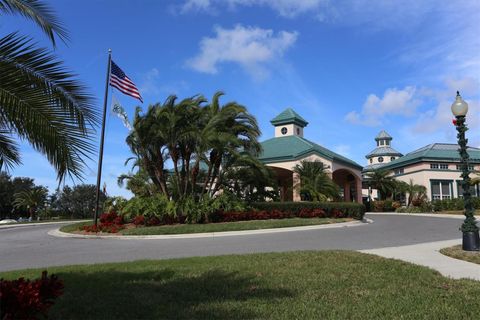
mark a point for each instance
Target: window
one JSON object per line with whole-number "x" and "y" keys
{"x": 382, "y": 142}
{"x": 398, "y": 171}
{"x": 441, "y": 189}
{"x": 470, "y": 167}
{"x": 474, "y": 190}
{"x": 298, "y": 131}
{"x": 371, "y": 160}
{"x": 284, "y": 130}
{"x": 392, "y": 158}
{"x": 380, "y": 159}
{"x": 443, "y": 166}
{"x": 387, "y": 143}
{"x": 433, "y": 165}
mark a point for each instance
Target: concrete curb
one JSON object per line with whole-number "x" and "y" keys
{"x": 428, "y": 255}
{"x": 58, "y": 233}
{"x": 19, "y": 225}
{"x": 430, "y": 215}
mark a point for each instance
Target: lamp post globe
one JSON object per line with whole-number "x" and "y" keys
{"x": 459, "y": 107}
{"x": 469, "y": 228}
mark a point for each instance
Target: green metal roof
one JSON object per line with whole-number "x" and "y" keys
{"x": 383, "y": 135}
{"x": 294, "y": 147}
{"x": 289, "y": 116}
{"x": 383, "y": 151}
{"x": 434, "y": 152}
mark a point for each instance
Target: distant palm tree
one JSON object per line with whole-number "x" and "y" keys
{"x": 315, "y": 184}
{"x": 380, "y": 180}
{"x": 40, "y": 101}
{"x": 415, "y": 192}
{"x": 30, "y": 199}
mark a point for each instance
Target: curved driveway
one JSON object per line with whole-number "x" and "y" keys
{"x": 31, "y": 247}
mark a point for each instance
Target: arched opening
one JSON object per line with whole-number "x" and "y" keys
{"x": 285, "y": 183}
{"x": 350, "y": 185}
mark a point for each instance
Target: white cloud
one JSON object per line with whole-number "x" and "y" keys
{"x": 251, "y": 47}
{"x": 285, "y": 8}
{"x": 343, "y": 149}
{"x": 394, "y": 102}
{"x": 196, "y": 5}
{"x": 439, "y": 118}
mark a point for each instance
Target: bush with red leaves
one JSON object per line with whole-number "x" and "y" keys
{"x": 222, "y": 216}
{"x": 109, "y": 222}
{"x": 139, "y": 220}
{"x": 26, "y": 299}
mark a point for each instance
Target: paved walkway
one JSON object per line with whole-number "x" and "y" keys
{"x": 428, "y": 255}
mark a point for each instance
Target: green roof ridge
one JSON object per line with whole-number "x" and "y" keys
{"x": 288, "y": 116}
{"x": 293, "y": 147}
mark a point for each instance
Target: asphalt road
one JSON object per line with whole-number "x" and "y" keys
{"x": 32, "y": 247}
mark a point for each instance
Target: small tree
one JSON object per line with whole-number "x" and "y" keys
{"x": 315, "y": 184}
{"x": 31, "y": 199}
{"x": 380, "y": 180}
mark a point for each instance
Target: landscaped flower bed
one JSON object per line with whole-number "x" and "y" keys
{"x": 113, "y": 222}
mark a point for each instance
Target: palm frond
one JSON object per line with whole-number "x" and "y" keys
{"x": 39, "y": 13}
{"x": 9, "y": 153}
{"x": 41, "y": 102}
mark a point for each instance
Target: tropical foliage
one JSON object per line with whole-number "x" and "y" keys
{"x": 31, "y": 199}
{"x": 380, "y": 180}
{"x": 416, "y": 193}
{"x": 315, "y": 183}
{"x": 203, "y": 142}
{"x": 40, "y": 100}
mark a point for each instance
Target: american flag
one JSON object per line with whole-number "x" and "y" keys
{"x": 119, "y": 80}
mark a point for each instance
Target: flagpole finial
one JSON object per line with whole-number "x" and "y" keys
{"x": 109, "y": 50}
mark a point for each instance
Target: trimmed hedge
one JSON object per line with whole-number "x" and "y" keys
{"x": 453, "y": 204}
{"x": 331, "y": 209}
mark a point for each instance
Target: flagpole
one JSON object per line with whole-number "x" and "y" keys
{"x": 102, "y": 138}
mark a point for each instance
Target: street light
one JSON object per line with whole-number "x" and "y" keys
{"x": 471, "y": 240}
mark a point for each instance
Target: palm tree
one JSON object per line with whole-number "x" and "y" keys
{"x": 30, "y": 199}
{"x": 380, "y": 180}
{"x": 229, "y": 131}
{"x": 315, "y": 184}
{"x": 415, "y": 192}
{"x": 40, "y": 101}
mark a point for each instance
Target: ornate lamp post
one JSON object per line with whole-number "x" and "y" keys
{"x": 471, "y": 240}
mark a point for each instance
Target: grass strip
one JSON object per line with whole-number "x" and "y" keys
{"x": 295, "y": 285}
{"x": 216, "y": 227}
{"x": 230, "y": 226}
{"x": 458, "y": 253}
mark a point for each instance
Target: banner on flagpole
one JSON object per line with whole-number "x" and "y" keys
{"x": 120, "y": 112}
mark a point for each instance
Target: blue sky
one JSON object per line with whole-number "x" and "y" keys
{"x": 351, "y": 68}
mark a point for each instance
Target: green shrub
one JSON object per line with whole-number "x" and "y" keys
{"x": 349, "y": 209}
{"x": 155, "y": 206}
{"x": 453, "y": 204}
{"x": 114, "y": 204}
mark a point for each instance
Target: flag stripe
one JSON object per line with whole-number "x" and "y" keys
{"x": 123, "y": 85}
{"x": 120, "y": 81}
{"x": 126, "y": 90}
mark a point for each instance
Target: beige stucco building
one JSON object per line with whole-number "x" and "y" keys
{"x": 289, "y": 147}
{"x": 435, "y": 166}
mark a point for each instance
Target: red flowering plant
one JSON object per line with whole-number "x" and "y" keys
{"x": 26, "y": 299}
{"x": 109, "y": 222}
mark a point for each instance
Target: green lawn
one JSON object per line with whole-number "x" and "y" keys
{"x": 296, "y": 285}
{"x": 231, "y": 226}
{"x": 217, "y": 227}
{"x": 457, "y": 253}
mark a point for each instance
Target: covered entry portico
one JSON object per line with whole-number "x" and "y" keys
{"x": 288, "y": 148}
